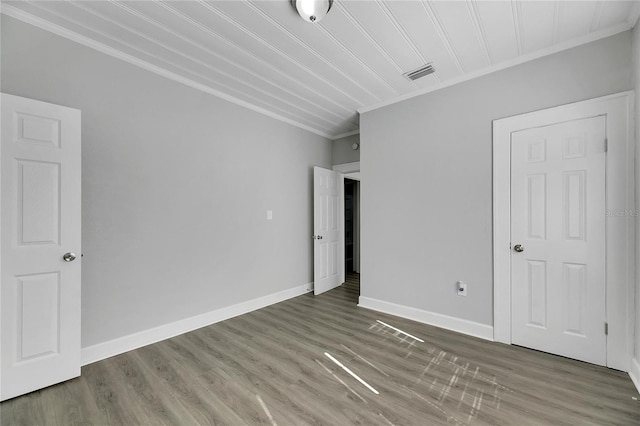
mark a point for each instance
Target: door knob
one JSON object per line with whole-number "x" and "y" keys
{"x": 317, "y": 237}
{"x": 519, "y": 248}
{"x": 69, "y": 257}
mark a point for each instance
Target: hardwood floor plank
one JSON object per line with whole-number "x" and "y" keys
{"x": 200, "y": 405}
{"x": 317, "y": 360}
{"x": 108, "y": 392}
{"x": 25, "y": 410}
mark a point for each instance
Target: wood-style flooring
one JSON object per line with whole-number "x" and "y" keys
{"x": 275, "y": 366}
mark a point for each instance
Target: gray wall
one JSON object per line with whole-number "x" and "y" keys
{"x": 343, "y": 153}
{"x": 427, "y": 203}
{"x": 175, "y": 187}
{"x": 636, "y": 80}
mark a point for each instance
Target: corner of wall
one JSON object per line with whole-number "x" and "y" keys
{"x": 635, "y": 361}
{"x": 342, "y": 151}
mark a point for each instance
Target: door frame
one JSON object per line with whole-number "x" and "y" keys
{"x": 620, "y": 223}
{"x": 352, "y": 171}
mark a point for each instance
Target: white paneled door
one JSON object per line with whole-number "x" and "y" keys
{"x": 40, "y": 248}
{"x": 328, "y": 229}
{"x": 558, "y": 239}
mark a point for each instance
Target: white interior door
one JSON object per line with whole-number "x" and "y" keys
{"x": 558, "y": 239}
{"x": 40, "y": 235}
{"x": 328, "y": 229}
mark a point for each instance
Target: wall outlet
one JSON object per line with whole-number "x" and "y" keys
{"x": 269, "y": 214}
{"x": 462, "y": 288}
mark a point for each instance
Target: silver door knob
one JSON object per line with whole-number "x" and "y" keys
{"x": 69, "y": 257}
{"x": 518, "y": 248}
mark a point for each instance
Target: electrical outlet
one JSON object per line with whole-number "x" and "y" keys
{"x": 269, "y": 214}
{"x": 462, "y": 288}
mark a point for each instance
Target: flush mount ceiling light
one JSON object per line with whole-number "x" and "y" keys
{"x": 312, "y": 10}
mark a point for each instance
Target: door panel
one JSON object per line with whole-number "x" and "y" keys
{"x": 328, "y": 229}
{"x": 38, "y": 191}
{"x": 558, "y": 216}
{"x": 40, "y": 221}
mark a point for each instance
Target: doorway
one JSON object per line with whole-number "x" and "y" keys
{"x": 351, "y": 226}
{"x": 352, "y": 185}
{"x": 615, "y": 145}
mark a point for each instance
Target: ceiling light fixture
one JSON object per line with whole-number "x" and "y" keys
{"x": 312, "y": 10}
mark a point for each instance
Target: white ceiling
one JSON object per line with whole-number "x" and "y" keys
{"x": 260, "y": 54}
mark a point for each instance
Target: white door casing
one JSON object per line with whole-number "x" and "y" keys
{"x": 352, "y": 171}
{"x": 558, "y": 239}
{"x": 40, "y": 222}
{"x": 620, "y": 227}
{"x": 328, "y": 229}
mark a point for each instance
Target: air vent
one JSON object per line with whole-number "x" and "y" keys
{"x": 420, "y": 72}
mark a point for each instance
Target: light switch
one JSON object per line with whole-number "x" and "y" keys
{"x": 269, "y": 214}
{"x": 462, "y": 288}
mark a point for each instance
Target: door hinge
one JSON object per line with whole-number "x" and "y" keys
{"x": 606, "y": 328}
{"x": 606, "y": 145}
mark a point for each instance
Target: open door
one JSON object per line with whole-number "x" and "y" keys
{"x": 40, "y": 249}
{"x": 328, "y": 229}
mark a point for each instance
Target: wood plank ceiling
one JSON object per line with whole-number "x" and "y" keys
{"x": 262, "y": 55}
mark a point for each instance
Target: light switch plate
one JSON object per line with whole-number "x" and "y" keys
{"x": 269, "y": 214}
{"x": 462, "y": 288}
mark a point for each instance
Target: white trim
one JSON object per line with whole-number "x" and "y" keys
{"x": 504, "y": 65}
{"x": 459, "y": 325}
{"x": 346, "y": 134}
{"x": 620, "y": 250}
{"x": 352, "y": 171}
{"x": 347, "y": 167}
{"x": 342, "y": 275}
{"x": 353, "y": 176}
{"x": 133, "y": 341}
{"x": 635, "y": 373}
{"x": 356, "y": 230}
{"x": 103, "y": 48}
{"x": 226, "y": 88}
{"x": 220, "y": 37}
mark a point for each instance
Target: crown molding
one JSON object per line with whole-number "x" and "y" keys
{"x": 504, "y": 65}
{"x": 43, "y": 24}
{"x": 345, "y": 134}
{"x": 297, "y": 114}
{"x": 138, "y": 14}
{"x": 245, "y": 52}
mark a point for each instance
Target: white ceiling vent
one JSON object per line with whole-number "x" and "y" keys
{"x": 420, "y": 72}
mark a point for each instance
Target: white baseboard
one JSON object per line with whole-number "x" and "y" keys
{"x": 463, "y": 326}
{"x": 635, "y": 373}
{"x": 127, "y": 343}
